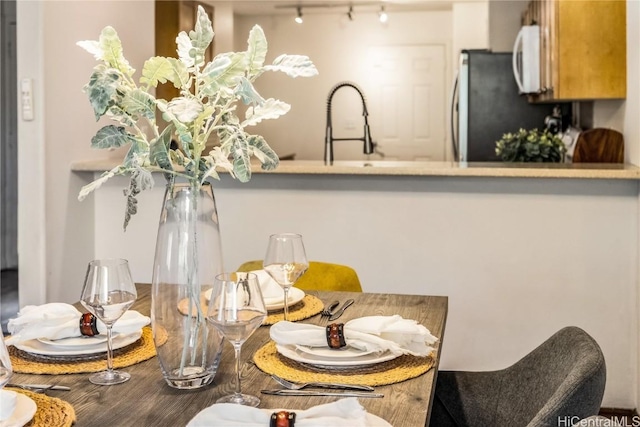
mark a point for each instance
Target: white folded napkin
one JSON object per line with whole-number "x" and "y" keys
{"x": 341, "y": 413}
{"x": 371, "y": 333}
{"x": 59, "y": 320}
{"x": 270, "y": 289}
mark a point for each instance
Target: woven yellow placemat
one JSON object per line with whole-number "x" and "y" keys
{"x": 308, "y": 307}
{"x": 137, "y": 352}
{"x": 50, "y": 412}
{"x": 393, "y": 371}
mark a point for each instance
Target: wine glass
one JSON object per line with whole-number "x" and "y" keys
{"x": 236, "y": 309}
{"x": 285, "y": 262}
{"x": 108, "y": 293}
{"x": 5, "y": 365}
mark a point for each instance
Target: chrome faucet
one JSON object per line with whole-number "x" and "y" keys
{"x": 328, "y": 138}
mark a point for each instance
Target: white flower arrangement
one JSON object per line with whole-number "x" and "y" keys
{"x": 206, "y": 107}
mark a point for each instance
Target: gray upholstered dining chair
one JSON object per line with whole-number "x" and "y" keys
{"x": 563, "y": 377}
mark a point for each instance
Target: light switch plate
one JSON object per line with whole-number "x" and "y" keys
{"x": 26, "y": 97}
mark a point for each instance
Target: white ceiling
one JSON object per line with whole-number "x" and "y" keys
{"x": 272, "y": 7}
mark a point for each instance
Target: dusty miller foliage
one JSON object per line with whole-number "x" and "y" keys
{"x": 206, "y": 106}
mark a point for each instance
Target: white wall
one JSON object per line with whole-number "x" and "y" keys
{"x": 470, "y": 26}
{"x": 504, "y": 23}
{"x": 32, "y": 188}
{"x": 223, "y": 24}
{"x": 55, "y": 237}
{"x": 632, "y": 124}
{"x": 518, "y": 258}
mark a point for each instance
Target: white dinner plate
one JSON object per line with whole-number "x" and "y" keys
{"x": 23, "y": 413}
{"x": 355, "y": 358}
{"x": 37, "y": 347}
{"x": 75, "y": 342}
{"x": 295, "y": 296}
{"x": 330, "y": 353}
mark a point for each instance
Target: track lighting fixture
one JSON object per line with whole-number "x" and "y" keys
{"x": 299, "y": 17}
{"x": 350, "y": 13}
{"x": 383, "y": 15}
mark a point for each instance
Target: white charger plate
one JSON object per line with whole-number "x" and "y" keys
{"x": 37, "y": 347}
{"x": 342, "y": 358}
{"x": 295, "y": 296}
{"x": 23, "y": 412}
{"x": 76, "y": 342}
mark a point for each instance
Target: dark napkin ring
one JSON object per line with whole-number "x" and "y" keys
{"x": 335, "y": 335}
{"x": 88, "y": 325}
{"x": 283, "y": 419}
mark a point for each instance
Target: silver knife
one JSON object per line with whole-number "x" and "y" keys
{"x": 40, "y": 387}
{"x": 341, "y": 309}
{"x": 280, "y": 392}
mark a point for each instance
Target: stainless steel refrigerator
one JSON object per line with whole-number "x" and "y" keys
{"x": 486, "y": 103}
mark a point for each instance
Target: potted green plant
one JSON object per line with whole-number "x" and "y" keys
{"x": 530, "y": 146}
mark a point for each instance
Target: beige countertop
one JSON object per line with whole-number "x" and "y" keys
{"x": 408, "y": 168}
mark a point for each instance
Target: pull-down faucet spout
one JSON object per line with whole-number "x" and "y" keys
{"x": 328, "y": 138}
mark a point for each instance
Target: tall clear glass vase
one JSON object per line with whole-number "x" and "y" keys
{"x": 188, "y": 257}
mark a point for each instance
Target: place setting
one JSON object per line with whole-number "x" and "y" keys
{"x": 19, "y": 406}
{"x": 370, "y": 350}
{"x": 237, "y": 308}
{"x": 347, "y": 412}
{"x": 56, "y": 338}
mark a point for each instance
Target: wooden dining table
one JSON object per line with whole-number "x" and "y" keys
{"x": 146, "y": 400}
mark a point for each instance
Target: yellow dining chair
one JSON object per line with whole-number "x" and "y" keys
{"x": 321, "y": 276}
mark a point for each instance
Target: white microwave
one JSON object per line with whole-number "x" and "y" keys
{"x": 526, "y": 59}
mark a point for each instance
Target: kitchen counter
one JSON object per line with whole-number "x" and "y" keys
{"x": 407, "y": 168}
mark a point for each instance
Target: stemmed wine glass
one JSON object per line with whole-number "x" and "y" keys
{"x": 108, "y": 293}
{"x": 236, "y": 309}
{"x": 285, "y": 262}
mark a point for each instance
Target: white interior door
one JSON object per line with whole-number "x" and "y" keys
{"x": 408, "y": 101}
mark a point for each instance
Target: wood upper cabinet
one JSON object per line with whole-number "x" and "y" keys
{"x": 171, "y": 17}
{"x": 583, "y": 49}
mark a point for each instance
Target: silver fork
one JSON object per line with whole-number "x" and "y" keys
{"x": 328, "y": 309}
{"x": 39, "y": 388}
{"x": 297, "y": 386}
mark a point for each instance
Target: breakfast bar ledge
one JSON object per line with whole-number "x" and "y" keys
{"x": 417, "y": 168}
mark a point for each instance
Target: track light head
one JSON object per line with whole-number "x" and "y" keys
{"x": 350, "y": 13}
{"x": 298, "y": 18}
{"x": 383, "y": 15}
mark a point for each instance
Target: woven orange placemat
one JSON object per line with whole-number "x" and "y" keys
{"x": 308, "y": 307}
{"x": 393, "y": 371}
{"x": 50, "y": 412}
{"x": 139, "y": 351}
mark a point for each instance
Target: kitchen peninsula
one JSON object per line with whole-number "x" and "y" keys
{"x": 418, "y": 168}
{"x": 520, "y": 251}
